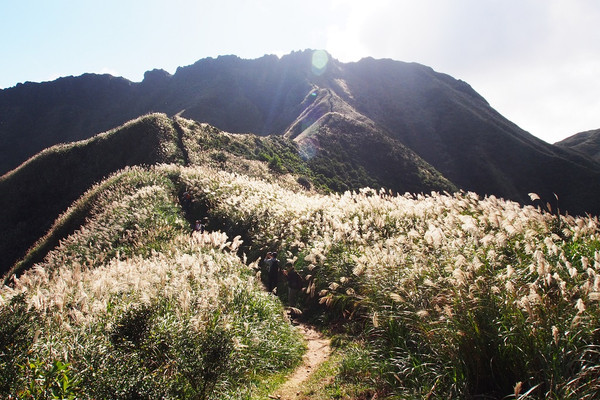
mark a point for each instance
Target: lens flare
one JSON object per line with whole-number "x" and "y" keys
{"x": 308, "y": 148}
{"x": 319, "y": 62}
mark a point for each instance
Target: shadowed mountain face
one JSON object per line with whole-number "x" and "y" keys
{"x": 587, "y": 143}
{"x": 33, "y": 195}
{"x": 381, "y": 112}
{"x": 454, "y": 129}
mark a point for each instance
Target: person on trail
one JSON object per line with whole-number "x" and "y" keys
{"x": 268, "y": 260}
{"x": 186, "y": 199}
{"x": 199, "y": 226}
{"x": 273, "y": 272}
{"x": 295, "y": 282}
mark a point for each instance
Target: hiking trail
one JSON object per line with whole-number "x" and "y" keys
{"x": 318, "y": 351}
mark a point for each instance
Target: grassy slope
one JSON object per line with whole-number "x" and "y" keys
{"x": 36, "y": 193}
{"x": 350, "y": 155}
{"x": 133, "y": 307}
{"x": 448, "y": 296}
{"x": 33, "y": 195}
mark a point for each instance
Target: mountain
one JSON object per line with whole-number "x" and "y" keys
{"x": 34, "y": 116}
{"x": 116, "y": 296}
{"x": 378, "y": 115}
{"x": 587, "y": 142}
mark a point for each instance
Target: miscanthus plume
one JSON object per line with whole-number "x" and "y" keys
{"x": 456, "y": 294}
{"x": 486, "y": 293}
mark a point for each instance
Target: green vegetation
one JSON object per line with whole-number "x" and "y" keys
{"x": 280, "y": 154}
{"x": 425, "y": 296}
{"x": 350, "y": 373}
{"x": 131, "y": 306}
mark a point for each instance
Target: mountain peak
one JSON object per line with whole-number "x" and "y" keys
{"x": 156, "y": 76}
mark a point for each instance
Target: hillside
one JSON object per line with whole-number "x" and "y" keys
{"x": 587, "y": 143}
{"x": 139, "y": 309}
{"x": 35, "y": 116}
{"x": 410, "y": 112}
{"x": 438, "y": 296}
{"x": 35, "y": 194}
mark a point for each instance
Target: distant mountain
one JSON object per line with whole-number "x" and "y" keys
{"x": 587, "y": 143}
{"x": 34, "y": 116}
{"x": 381, "y": 116}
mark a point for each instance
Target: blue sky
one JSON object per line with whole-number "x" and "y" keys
{"x": 536, "y": 61}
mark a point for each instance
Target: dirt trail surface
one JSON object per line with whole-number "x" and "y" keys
{"x": 318, "y": 351}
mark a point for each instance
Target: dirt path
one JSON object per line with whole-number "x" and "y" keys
{"x": 318, "y": 351}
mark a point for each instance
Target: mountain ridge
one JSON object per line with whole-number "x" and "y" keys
{"x": 586, "y": 143}
{"x": 429, "y": 115}
{"x": 35, "y": 194}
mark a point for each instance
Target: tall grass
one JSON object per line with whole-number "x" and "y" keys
{"x": 132, "y": 306}
{"x": 462, "y": 296}
{"x": 457, "y": 296}
{"x": 97, "y": 199}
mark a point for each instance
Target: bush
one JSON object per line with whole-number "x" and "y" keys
{"x": 204, "y": 359}
{"x": 17, "y": 330}
{"x": 304, "y": 182}
{"x": 54, "y": 381}
{"x": 276, "y": 165}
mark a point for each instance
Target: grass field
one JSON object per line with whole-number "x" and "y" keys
{"x": 425, "y": 296}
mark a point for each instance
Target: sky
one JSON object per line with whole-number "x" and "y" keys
{"x": 537, "y": 62}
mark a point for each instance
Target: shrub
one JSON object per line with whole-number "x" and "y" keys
{"x": 304, "y": 182}
{"x": 17, "y": 330}
{"x": 204, "y": 360}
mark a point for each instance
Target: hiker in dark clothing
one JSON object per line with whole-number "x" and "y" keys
{"x": 295, "y": 282}
{"x": 186, "y": 200}
{"x": 200, "y": 225}
{"x": 273, "y": 272}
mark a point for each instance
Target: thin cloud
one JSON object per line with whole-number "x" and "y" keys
{"x": 535, "y": 61}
